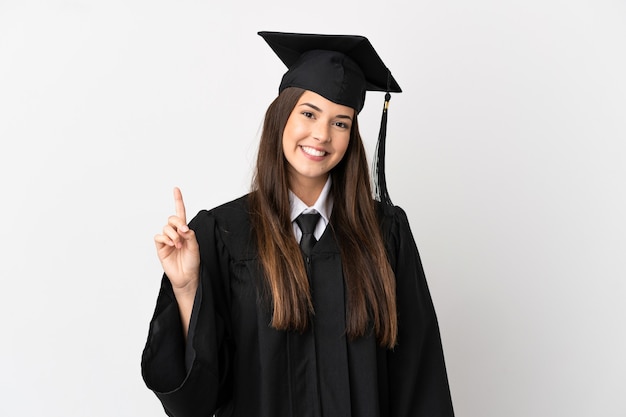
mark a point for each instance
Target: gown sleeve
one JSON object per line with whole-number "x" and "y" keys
{"x": 416, "y": 369}
{"x": 192, "y": 380}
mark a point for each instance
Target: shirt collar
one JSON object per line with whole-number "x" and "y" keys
{"x": 323, "y": 205}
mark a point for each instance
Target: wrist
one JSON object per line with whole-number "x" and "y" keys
{"x": 186, "y": 291}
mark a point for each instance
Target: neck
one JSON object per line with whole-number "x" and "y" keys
{"x": 308, "y": 189}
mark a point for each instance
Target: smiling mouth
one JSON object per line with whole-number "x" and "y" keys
{"x": 312, "y": 151}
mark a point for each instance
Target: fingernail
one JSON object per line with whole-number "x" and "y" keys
{"x": 184, "y": 228}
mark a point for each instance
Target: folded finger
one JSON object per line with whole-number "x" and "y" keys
{"x": 177, "y": 223}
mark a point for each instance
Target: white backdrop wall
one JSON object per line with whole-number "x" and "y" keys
{"x": 506, "y": 148}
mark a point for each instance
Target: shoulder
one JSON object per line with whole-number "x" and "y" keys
{"x": 391, "y": 218}
{"x": 396, "y": 231}
{"x": 227, "y": 225}
{"x": 232, "y": 212}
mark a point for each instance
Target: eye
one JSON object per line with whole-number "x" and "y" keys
{"x": 342, "y": 125}
{"x": 308, "y": 114}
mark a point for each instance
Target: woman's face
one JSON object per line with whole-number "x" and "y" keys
{"x": 315, "y": 138}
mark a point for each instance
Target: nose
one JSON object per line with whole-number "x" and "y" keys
{"x": 321, "y": 132}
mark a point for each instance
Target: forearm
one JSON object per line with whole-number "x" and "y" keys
{"x": 185, "y": 299}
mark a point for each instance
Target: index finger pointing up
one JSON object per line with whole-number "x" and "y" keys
{"x": 180, "y": 205}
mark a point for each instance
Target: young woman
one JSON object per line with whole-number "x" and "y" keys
{"x": 260, "y": 315}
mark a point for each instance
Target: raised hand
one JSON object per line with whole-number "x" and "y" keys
{"x": 178, "y": 251}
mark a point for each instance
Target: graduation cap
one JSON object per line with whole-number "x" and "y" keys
{"x": 340, "y": 68}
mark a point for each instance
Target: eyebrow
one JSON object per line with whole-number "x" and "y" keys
{"x": 314, "y": 107}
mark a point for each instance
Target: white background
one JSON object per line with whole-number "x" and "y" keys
{"x": 507, "y": 149}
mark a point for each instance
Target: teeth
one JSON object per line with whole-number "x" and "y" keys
{"x": 313, "y": 151}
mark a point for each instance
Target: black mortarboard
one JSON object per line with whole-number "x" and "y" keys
{"x": 340, "y": 68}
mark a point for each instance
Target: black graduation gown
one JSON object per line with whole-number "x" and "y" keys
{"x": 235, "y": 364}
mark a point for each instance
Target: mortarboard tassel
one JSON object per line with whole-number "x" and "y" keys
{"x": 380, "y": 182}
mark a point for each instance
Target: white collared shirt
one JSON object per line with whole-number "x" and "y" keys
{"x": 323, "y": 206}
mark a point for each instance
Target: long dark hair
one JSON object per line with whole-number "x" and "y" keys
{"x": 369, "y": 279}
